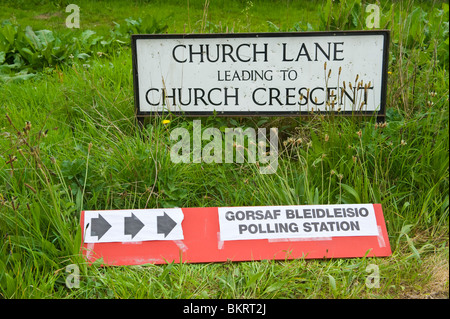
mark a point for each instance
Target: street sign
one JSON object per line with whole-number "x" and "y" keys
{"x": 293, "y": 73}
{"x": 219, "y": 234}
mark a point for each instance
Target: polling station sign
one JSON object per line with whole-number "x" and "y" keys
{"x": 220, "y": 234}
{"x": 292, "y": 73}
{"x": 308, "y": 221}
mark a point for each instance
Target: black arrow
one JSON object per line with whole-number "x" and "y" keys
{"x": 165, "y": 224}
{"x": 132, "y": 225}
{"x": 99, "y": 226}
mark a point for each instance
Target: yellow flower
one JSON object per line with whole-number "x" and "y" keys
{"x": 166, "y": 121}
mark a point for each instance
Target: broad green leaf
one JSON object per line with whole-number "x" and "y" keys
{"x": 45, "y": 37}
{"x": 33, "y": 39}
{"x": 352, "y": 192}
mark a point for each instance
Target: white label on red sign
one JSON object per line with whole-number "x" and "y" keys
{"x": 308, "y": 221}
{"x": 133, "y": 225}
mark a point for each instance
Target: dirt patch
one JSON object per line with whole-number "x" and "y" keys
{"x": 438, "y": 286}
{"x": 46, "y": 16}
{"x": 436, "y": 268}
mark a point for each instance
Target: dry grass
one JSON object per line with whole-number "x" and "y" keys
{"x": 436, "y": 268}
{"x": 432, "y": 279}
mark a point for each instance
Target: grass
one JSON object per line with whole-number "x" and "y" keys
{"x": 182, "y": 16}
{"x": 83, "y": 150}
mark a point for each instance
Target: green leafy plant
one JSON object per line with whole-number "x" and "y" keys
{"x": 342, "y": 15}
{"x": 24, "y": 52}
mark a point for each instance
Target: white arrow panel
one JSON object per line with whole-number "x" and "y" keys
{"x": 147, "y": 224}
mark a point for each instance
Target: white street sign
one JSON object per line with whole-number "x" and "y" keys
{"x": 261, "y": 74}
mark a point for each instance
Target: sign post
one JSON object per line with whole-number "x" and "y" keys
{"x": 261, "y": 74}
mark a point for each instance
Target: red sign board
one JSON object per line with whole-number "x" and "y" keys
{"x": 219, "y": 234}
